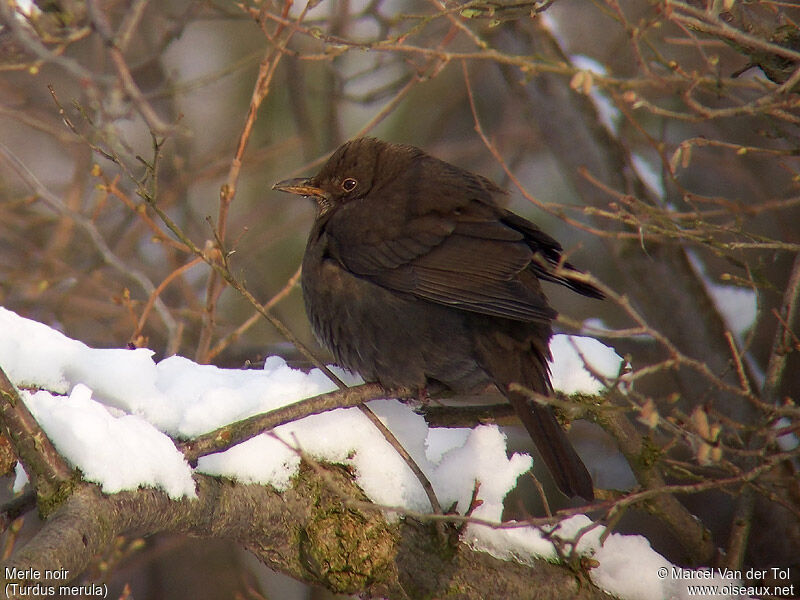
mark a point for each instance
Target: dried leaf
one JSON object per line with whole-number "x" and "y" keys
{"x": 648, "y": 414}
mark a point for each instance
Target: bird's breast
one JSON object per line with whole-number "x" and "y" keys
{"x": 386, "y": 336}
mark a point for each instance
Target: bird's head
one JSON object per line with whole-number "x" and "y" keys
{"x": 352, "y": 171}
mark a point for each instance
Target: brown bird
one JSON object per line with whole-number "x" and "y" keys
{"x": 415, "y": 276}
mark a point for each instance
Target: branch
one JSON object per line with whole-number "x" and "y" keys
{"x": 782, "y": 345}
{"x": 230, "y": 435}
{"x": 49, "y": 473}
{"x": 642, "y": 456}
{"x": 305, "y": 532}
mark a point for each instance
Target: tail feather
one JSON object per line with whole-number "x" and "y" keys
{"x": 507, "y": 360}
{"x": 568, "y": 470}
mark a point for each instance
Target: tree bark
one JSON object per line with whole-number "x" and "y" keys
{"x": 311, "y": 532}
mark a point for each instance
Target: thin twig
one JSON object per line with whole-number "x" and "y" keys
{"x": 15, "y": 508}
{"x": 261, "y": 89}
{"x": 94, "y": 234}
{"x": 398, "y": 447}
{"x": 256, "y": 316}
{"x": 157, "y": 292}
{"x": 230, "y": 435}
{"x": 788, "y": 313}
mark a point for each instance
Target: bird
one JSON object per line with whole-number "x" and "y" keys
{"x": 415, "y": 276}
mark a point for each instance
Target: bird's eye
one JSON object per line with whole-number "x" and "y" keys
{"x": 349, "y": 184}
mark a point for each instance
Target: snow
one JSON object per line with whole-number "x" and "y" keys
{"x": 79, "y": 426}
{"x": 628, "y": 567}
{"x": 346, "y": 436}
{"x": 788, "y": 441}
{"x": 572, "y": 355}
{"x": 111, "y": 413}
{"x": 649, "y": 175}
{"x": 737, "y": 305}
{"x": 20, "y": 478}
{"x": 26, "y": 7}
{"x": 607, "y": 113}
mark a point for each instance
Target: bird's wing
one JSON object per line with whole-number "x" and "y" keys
{"x": 467, "y": 259}
{"x": 551, "y": 253}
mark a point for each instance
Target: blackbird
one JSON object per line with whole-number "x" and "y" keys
{"x": 415, "y": 276}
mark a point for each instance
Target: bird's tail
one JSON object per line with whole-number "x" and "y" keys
{"x": 529, "y": 369}
{"x": 567, "y": 468}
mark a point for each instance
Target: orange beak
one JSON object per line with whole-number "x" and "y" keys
{"x": 300, "y": 186}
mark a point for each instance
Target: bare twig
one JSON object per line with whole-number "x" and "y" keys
{"x": 782, "y": 343}
{"x": 261, "y": 89}
{"x": 93, "y": 233}
{"x": 228, "y": 436}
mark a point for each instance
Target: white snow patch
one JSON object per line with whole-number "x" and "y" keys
{"x": 110, "y": 412}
